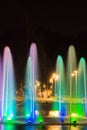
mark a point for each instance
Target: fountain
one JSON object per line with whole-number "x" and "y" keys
{"x": 1, "y": 90}
{"x": 81, "y": 88}
{"x": 32, "y": 73}
{"x": 59, "y": 89}
{"x": 71, "y": 74}
{"x": 8, "y": 87}
{"x": 69, "y": 98}
{"x": 76, "y": 84}
{"x": 70, "y": 88}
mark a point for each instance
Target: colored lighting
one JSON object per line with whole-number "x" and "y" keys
{"x": 0, "y": 118}
{"x": 27, "y": 115}
{"x": 74, "y": 115}
{"x": 8, "y": 100}
{"x": 68, "y": 86}
{"x": 31, "y": 78}
{"x": 12, "y": 115}
{"x": 36, "y": 112}
{"x": 9, "y": 118}
{"x": 40, "y": 119}
{"x": 54, "y": 114}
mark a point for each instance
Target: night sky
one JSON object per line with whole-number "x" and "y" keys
{"x": 53, "y": 26}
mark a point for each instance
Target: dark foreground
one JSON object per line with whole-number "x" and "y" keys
{"x": 47, "y": 124}
{"x": 43, "y": 127}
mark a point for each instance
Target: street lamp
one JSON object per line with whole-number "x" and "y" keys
{"x": 37, "y": 85}
{"x": 55, "y": 77}
{"x": 75, "y": 73}
{"x": 53, "y": 80}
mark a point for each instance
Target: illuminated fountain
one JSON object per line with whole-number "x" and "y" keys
{"x": 71, "y": 80}
{"x": 59, "y": 89}
{"x": 81, "y": 88}
{"x": 70, "y": 89}
{"x": 1, "y": 88}
{"x": 8, "y": 98}
{"x": 31, "y": 106}
{"x": 76, "y": 85}
{"x": 69, "y": 98}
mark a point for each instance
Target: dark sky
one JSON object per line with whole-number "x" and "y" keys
{"x": 52, "y": 25}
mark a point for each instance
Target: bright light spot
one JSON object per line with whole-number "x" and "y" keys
{"x": 36, "y": 112}
{"x": 54, "y": 113}
{"x": 74, "y": 115}
{"x": 11, "y": 115}
{"x": 28, "y": 115}
{"x": 40, "y": 119}
{"x": 9, "y": 118}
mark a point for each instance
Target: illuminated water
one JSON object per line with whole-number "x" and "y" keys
{"x": 32, "y": 73}
{"x": 1, "y": 88}
{"x": 69, "y": 100}
{"x": 42, "y": 127}
{"x": 59, "y": 87}
{"x": 8, "y": 83}
{"x": 70, "y": 88}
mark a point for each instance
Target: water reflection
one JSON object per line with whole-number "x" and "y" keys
{"x": 33, "y": 128}
{"x": 41, "y": 127}
{"x": 7, "y": 127}
{"x": 55, "y": 127}
{"x": 74, "y": 128}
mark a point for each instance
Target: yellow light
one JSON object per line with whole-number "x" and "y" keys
{"x": 75, "y": 72}
{"x": 53, "y": 74}
{"x": 51, "y": 80}
{"x": 74, "y": 115}
{"x": 56, "y": 77}
{"x": 54, "y": 113}
{"x": 72, "y": 74}
{"x": 37, "y": 83}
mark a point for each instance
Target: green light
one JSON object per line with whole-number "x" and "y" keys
{"x": 39, "y": 119}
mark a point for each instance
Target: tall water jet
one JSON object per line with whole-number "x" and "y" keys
{"x": 81, "y": 88}
{"x": 71, "y": 75}
{"x": 59, "y": 87}
{"x": 29, "y": 90}
{"x": 9, "y": 102}
{"x": 1, "y": 88}
{"x": 32, "y": 73}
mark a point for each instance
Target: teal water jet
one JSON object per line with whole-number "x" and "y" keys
{"x": 81, "y": 90}
{"x": 59, "y": 88}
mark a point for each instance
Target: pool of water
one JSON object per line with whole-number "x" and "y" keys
{"x": 42, "y": 127}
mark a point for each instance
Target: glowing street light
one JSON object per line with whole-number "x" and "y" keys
{"x": 74, "y": 74}
{"x": 51, "y": 80}
{"x": 54, "y": 79}
{"x": 37, "y": 84}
